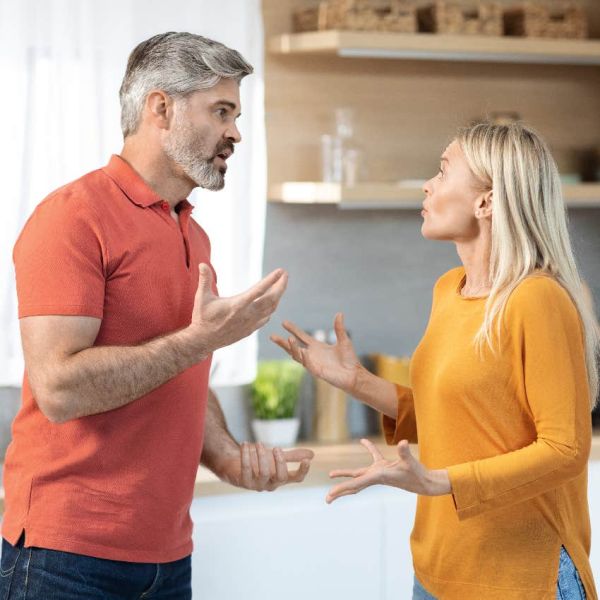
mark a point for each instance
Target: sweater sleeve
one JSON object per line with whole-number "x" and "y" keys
{"x": 404, "y": 426}
{"x": 546, "y": 338}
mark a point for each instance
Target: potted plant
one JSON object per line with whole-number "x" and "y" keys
{"x": 274, "y": 397}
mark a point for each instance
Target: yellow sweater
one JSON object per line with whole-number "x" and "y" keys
{"x": 514, "y": 432}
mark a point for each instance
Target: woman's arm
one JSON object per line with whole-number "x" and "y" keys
{"x": 338, "y": 364}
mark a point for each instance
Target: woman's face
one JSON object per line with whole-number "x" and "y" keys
{"x": 453, "y": 200}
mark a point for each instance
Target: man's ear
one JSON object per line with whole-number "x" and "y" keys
{"x": 483, "y": 209}
{"x": 159, "y": 109}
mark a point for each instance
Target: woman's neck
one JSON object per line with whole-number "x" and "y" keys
{"x": 475, "y": 257}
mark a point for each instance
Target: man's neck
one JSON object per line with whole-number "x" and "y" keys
{"x": 157, "y": 171}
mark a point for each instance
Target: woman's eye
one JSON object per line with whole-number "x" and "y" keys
{"x": 441, "y": 173}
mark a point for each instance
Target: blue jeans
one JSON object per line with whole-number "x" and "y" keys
{"x": 568, "y": 587}
{"x": 39, "y": 574}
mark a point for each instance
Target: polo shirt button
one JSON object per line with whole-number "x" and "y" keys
{"x": 165, "y": 206}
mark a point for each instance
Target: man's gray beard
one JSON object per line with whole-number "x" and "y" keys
{"x": 190, "y": 155}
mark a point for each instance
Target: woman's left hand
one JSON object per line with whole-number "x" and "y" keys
{"x": 406, "y": 473}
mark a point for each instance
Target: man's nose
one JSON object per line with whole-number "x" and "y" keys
{"x": 233, "y": 134}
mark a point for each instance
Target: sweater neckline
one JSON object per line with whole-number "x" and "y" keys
{"x": 460, "y": 286}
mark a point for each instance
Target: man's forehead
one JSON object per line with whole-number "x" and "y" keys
{"x": 228, "y": 95}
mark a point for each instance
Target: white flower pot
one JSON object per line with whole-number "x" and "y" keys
{"x": 276, "y": 432}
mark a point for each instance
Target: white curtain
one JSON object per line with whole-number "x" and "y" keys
{"x": 62, "y": 62}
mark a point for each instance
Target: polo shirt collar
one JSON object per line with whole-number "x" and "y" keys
{"x": 133, "y": 186}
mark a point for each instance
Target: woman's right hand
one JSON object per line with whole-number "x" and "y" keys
{"x": 335, "y": 363}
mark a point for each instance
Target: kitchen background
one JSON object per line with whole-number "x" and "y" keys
{"x": 366, "y": 257}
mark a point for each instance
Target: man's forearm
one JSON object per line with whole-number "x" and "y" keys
{"x": 219, "y": 446}
{"x": 102, "y": 378}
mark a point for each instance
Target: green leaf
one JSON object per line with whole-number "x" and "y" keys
{"x": 276, "y": 388}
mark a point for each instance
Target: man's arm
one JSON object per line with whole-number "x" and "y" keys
{"x": 219, "y": 446}
{"x": 71, "y": 378}
{"x": 250, "y": 466}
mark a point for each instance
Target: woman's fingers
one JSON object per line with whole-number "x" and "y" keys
{"x": 296, "y": 331}
{"x": 347, "y": 472}
{"x": 283, "y": 344}
{"x": 339, "y": 328}
{"x": 372, "y": 449}
{"x": 353, "y": 486}
{"x": 296, "y": 352}
{"x": 404, "y": 450}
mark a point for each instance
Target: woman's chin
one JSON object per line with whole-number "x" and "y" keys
{"x": 426, "y": 232}
{"x": 431, "y": 234}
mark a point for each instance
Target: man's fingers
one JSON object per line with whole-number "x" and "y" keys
{"x": 347, "y": 472}
{"x": 264, "y": 285}
{"x": 268, "y": 302}
{"x": 247, "y": 475}
{"x": 296, "y": 331}
{"x": 205, "y": 280}
{"x": 281, "y": 470}
{"x": 298, "y": 454}
{"x": 264, "y": 466}
{"x": 372, "y": 449}
{"x": 300, "y": 473}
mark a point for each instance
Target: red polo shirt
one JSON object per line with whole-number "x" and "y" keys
{"x": 119, "y": 484}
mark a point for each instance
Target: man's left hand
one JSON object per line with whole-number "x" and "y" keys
{"x": 265, "y": 469}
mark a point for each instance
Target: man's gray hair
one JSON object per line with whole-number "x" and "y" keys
{"x": 178, "y": 64}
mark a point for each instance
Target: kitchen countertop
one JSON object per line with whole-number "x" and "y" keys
{"x": 350, "y": 455}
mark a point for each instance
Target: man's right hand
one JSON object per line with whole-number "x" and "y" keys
{"x": 218, "y": 322}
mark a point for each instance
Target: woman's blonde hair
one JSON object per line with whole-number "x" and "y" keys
{"x": 529, "y": 225}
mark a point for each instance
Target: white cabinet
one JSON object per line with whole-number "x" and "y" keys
{"x": 291, "y": 545}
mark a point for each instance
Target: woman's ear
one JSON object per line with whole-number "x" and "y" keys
{"x": 484, "y": 206}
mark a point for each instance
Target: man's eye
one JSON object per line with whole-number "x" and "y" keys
{"x": 441, "y": 173}
{"x": 222, "y": 112}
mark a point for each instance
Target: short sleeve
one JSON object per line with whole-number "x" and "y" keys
{"x": 59, "y": 261}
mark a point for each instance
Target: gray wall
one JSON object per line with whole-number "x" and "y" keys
{"x": 374, "y": 266}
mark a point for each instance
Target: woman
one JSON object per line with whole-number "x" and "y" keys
{"x": 501, "y": 384}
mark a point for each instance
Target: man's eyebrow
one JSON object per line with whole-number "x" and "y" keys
{"x": 228, "y": 104}
{"x": 443, "y": 158}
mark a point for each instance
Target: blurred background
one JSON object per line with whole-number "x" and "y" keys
{"x": 351, "y": 104}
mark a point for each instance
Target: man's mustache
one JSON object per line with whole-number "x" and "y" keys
{"x": 223, "y": 146}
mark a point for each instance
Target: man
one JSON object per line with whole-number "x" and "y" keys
{"x": 119, "y": 317}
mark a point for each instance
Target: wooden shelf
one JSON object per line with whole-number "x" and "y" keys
{"x": 427, "y": 46}
{"x": 392, "y": 195}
